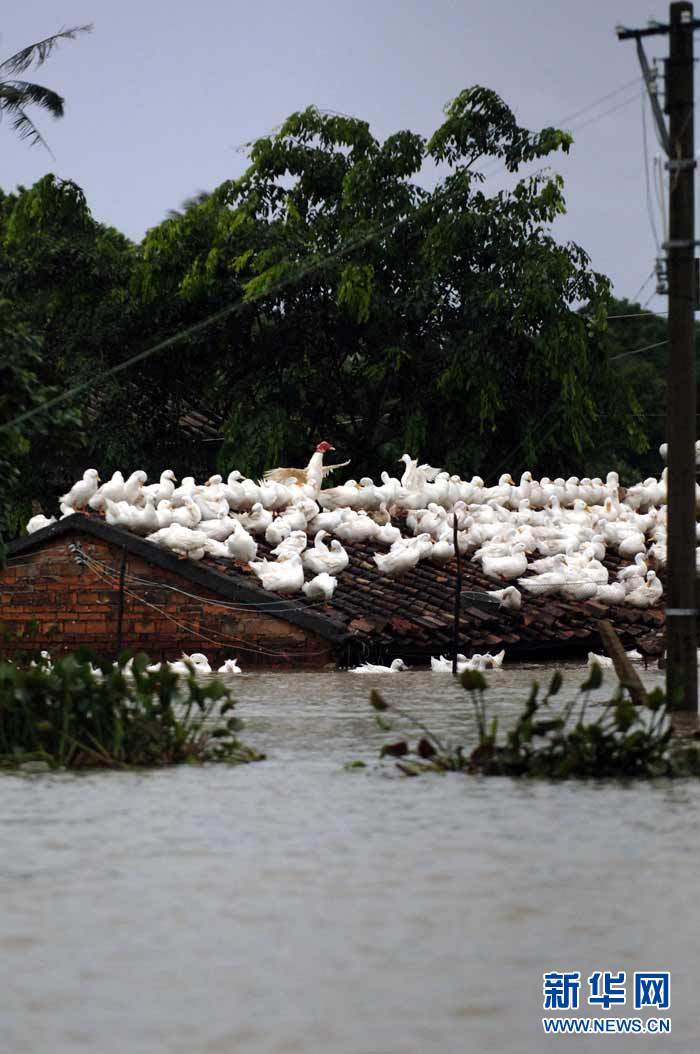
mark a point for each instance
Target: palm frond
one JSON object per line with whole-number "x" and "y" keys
{"x": 18, "y": 94}
{"x": 23, "y": 124}
{"x": 39, "y": 52}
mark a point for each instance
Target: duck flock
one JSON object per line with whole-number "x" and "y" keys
{"x": 543, "y": 537}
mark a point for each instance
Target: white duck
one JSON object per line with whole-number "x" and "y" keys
{"x": 442, "y": 551}
{"x": 218, "y": 549}
{"x": 327, "y": 521}
{"x": 648, "y": 594}
{"x": 38, "y": 522}
{"x": 257, "y": 520}
{"x": 196, "y": 660}
{"x": 444, "y": 665}
{"x": 230, "y": 666}
{"x": 80, "y": 493}
{"x": 611, "y": 594}
{"x": 487, "y": 661}
{"x": 321, "y": 587}
{"x": 604, "y": 661}
{"x": 219, "y": 528}
{"x": 182, "y": 541}
{"x": 187, "y": 514}
{"x": 185, "y": 490}
{"x": 321, "y": 558}
{"x": 241, "y": 545}
{"x": 634, "y": 571}
{"x": 387, "y": 534}
{"x": 398, "y": 560}
{"x": 397, "y": 666}
{"x": 113, "y": 489}
{"x": 295, "y": 542}
{"x": 507, "y": 567}
{"x": 162, "y": 490}
{"x": 278, "y": 530}
{"x": 509, "y": 598}
{"x": 541, "y": 585}
{"x": 358, "y": 528}
{"x": 133, "y": 488}
{"x": 286, "y": 575}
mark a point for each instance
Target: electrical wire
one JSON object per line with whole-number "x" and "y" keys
{"x": 642, "y": 314}
{"x": 499, "y": 166}
{"x": 606, "y": 113}
{"x": 232, "y": 309}
{"x": 239, "y": 305}
{"x": 643, "y": 286}
{"x": 239, "y": 643}
{"x": 645, "y": 160}
{"x": 638, "y": 351}
{"x": 279, "y": 606}
{"x": 598, "y": 102}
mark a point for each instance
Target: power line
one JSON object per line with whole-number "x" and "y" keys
{"x": 598, "y": 102}
{"x": 270, "y": 607}
{"x": 575, "y": 128}
{"x": 239, "y": 305}
{"x": 645, "y": 158}
{"x": 606, "y": 113}
{"x": 650, "y": 298}
{"x": 643, "y": 286}
{"x": 638, "y": 351}
{"x": 240, "y": 644}
{"x": 642, "y": 314}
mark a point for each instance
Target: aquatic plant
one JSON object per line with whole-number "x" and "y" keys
{"x": 81, "y": 712}
{"x": 621, "y": 740}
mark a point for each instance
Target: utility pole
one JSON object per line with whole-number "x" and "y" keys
{"x": 681, "y": 613}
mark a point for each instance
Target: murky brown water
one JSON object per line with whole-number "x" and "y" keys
{"x": 292, "y": 906}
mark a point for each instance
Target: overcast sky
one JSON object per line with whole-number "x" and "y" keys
{"x": 161, "y": 97}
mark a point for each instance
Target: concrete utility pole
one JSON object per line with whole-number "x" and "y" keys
{"x": 681, "y": 613}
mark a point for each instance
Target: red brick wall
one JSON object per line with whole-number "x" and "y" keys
{"x": 76, "y": 605}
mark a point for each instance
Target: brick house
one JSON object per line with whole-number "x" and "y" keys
{"x": 82, "y": 582}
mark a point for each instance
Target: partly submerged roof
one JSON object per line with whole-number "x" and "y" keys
{"x": 411, "y": 616}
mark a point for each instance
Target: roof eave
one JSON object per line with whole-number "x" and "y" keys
{"x": 203, "y": 575}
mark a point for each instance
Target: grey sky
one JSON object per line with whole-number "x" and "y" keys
{"x": 162, "y": 95}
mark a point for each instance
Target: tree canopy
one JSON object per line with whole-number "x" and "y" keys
{"x": 364, "y": 291}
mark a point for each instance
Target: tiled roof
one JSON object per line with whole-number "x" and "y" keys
{"x": 412, "y": 616}
{"x": 375, "y": 616}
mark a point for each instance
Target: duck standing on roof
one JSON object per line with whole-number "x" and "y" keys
{"x": 314, "y": 473}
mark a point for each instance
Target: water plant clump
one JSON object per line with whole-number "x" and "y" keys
{"x": 80, "y": 712}
{"x": 621, "y": 740}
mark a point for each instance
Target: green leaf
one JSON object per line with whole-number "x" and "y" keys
{"x": 473, "y": 681}
{"x": 595, "y": 678}
{"x": 556, "y": 683}
{"x": 376, "y": 700}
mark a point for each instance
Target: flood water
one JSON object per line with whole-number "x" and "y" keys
{"x": 294, "y": 906}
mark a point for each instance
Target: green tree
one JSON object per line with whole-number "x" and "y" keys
{"x": 20, "y": 393}
{"x": 68, "y": 277}
{"x": 385, "y": 315}
{"x": 636, "y": 342}
{"x": 16, "y": 94}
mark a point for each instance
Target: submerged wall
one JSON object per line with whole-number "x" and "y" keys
{"x": 58, "y": 598}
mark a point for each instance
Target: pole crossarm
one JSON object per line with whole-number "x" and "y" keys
{"x": 655, "y": 30}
